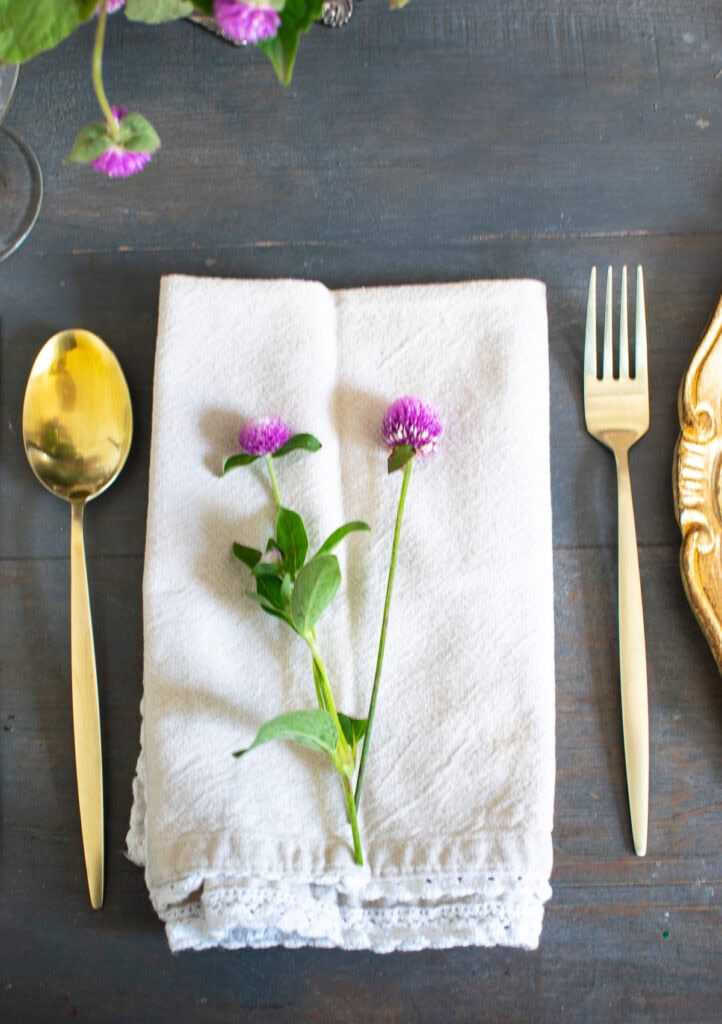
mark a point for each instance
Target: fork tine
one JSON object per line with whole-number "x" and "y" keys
{"x": 623, "y": 330}
{"x": 640, "y": 330}
{"x": 590, "y": 340}
{"x": 608, "y": 360}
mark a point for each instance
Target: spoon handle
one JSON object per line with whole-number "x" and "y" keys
{"x": 86, "y": 711}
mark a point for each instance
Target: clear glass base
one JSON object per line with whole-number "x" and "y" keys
{"x": 21, "y": 191}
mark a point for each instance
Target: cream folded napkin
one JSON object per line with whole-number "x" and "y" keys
{"x": 457, "y": 808}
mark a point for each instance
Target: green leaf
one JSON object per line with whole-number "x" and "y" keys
{"x": 89, "y": 143}
{"x": 277, "y": 615}
{"x": 311, "y": 728}
{"x": 354, "y": 729}
{"x": 396, "y": 5}
{"x": 238, "y": 460}
{"x": 27, "y": 29}
{"x": 307, "y": 442}
{"x": 153, "y": 12}
{"x": 262, "y": 602}
{"x": 206, "y": 6}
{"x": 341, "y": 532}
{"x": 286, "y": 590}
{"x": 266, "y": 569}
{"x": 269, "y": 588}
{"x": 400, "y": 456}
{"x": 292, "y": 539}
{"x": 137, "y": 135}
{"x": 315, "y": 589}
{"x": 296, "y": 18}
{"x": 249, "y": 556}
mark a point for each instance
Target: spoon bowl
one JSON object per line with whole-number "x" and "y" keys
{"x": 77, "y": 418}
{"x": 77, "y": 429}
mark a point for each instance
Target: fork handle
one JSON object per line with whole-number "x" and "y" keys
{"x": 632, "y": 662}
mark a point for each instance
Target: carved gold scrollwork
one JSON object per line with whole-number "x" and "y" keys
{"x": 698, "y": 483}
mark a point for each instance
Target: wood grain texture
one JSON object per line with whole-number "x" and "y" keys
{"x": 454, "y": 140}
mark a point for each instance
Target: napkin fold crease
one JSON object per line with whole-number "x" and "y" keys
{"x": 457, "y": 811}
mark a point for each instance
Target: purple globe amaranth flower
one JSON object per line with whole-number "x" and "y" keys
{"x": 263, "y": 437}
{"x": 117, "y": 161}
{"x": 412, "y": 421}
{"x": 251, "y": 21}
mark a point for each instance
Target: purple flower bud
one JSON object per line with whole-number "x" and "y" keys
{"x": 263, "y": 437}
{"x": 271, "y": 557}
{"x": 411, "y": 421}
{"x": 246, "y": 22}
{"x": 117, "y": 162}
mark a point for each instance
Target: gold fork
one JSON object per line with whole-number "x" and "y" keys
{"x": 617, "y": 414}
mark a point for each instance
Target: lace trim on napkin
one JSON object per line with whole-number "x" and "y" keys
{"x": 349, "y": 910}
{"x": 259, "y": 916}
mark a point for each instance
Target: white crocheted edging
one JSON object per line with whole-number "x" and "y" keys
{"x": 254, "y": 923}
{"x": 405, "y": 913}
{"x": 255, "y": 915}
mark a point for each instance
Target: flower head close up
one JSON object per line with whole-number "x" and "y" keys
{"x": 411, "y": 421}
{"x": 264, "y": 436}
{"x": 117, "y": 161}
{"x": 247, "y": 22}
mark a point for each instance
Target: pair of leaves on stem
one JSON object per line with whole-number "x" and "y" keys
{"x": 135, "y": 135}
{"x": 30, "y": 28}
{"x": 311, "y": 727}
{"x": 304, "y": 442}
{"x": 296, "y": 591}
{"x": 287, "y": 586}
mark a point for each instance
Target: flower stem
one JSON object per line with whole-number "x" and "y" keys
{"x": 98, "y": 71}
{"x": 353, "y": 819}
{"x": 384, "y": 629}
{"x": 319, "y": 686}
{"x": 324, "y": 691}
{"x": 345, "y": 763}
{"x": 274, "y": 481}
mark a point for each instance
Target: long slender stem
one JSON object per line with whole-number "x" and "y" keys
{"x": 98, "y": 70}
{"x": 353, "y": 819}
{"x": 345, "y": 767}
{"x": 274, "y": 481}
{"x": 325, "y": 688}
{"x": 384, "y": 629}
{"x": 319, "y": 688}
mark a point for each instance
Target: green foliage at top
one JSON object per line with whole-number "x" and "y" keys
{"x": 28, "y": 28}
{"x": 296, "y": 18}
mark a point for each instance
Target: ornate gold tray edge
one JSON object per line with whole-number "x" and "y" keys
{"x": 698, "y": 485}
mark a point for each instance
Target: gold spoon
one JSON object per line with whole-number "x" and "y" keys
{"x": 77, "y": 428}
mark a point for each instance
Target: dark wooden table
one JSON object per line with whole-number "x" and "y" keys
{"x": 457, "y": 139}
